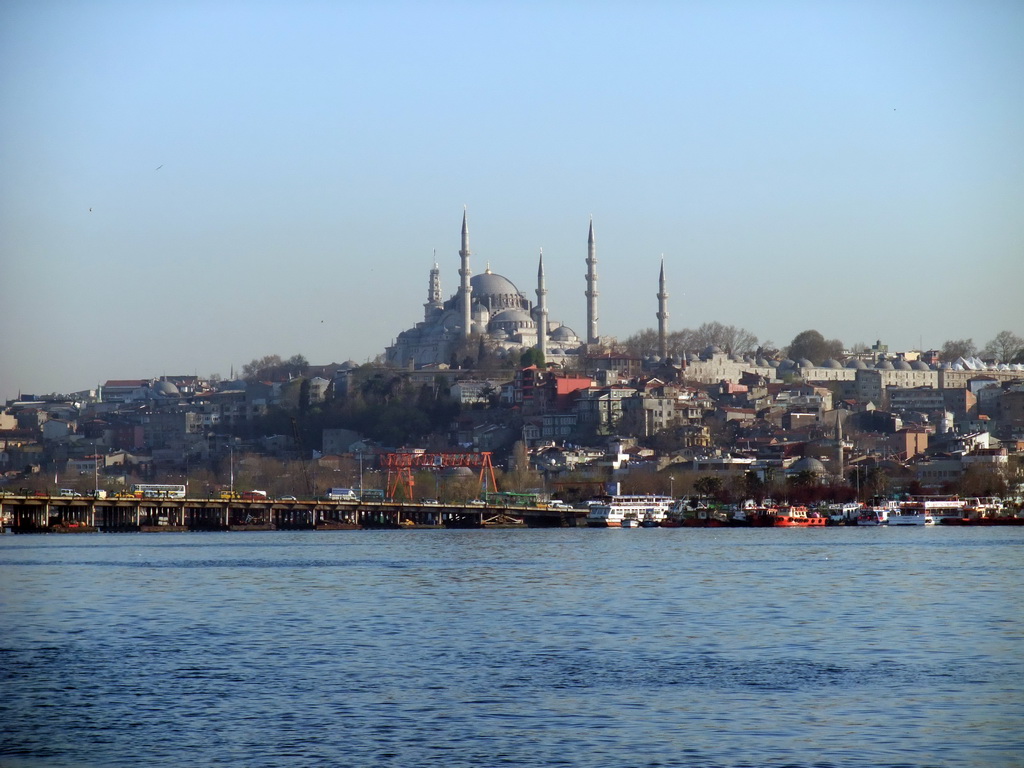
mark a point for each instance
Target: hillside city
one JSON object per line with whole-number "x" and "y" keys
{"x": 865, "y": 424}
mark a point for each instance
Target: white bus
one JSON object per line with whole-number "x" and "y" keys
{"x": 157, "y": 491}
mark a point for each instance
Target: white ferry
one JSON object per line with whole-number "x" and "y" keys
{"x": 629, "y": 511}
{"x": 927, "y": 510}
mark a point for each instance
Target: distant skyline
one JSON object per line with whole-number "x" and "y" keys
{"x": 187, "y": 187}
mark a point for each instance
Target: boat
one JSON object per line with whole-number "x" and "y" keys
{"x": 911, "y": 513}
{"x": 873, "y": 516}
{"x": 878, "y": 513}
{"x": 683, "y": 515}
{"x": 619, "y": 509}
{"x": 789, "y": 516}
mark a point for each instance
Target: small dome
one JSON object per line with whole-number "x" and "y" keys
{"x": 920, "y": 365}
{"x": 787, "y": 365}
{"x": 885, "y": 365}
{"x": 563, "y": 333}
{"x": 902, "y": 365}
{"x": 857, "y": 363}
{"x": 808, "y": 464}
{"x": 803, "y": 362}
{"x": 166, "y": 389}
{"x": 830, "y": 363}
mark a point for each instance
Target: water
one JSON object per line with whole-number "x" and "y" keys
{"x": 836, "y": 647}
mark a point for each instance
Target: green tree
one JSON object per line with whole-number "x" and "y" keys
{"x": 707, "y": 485}
{"x": 531, "y": 356}
{"x": 814, "y": 347}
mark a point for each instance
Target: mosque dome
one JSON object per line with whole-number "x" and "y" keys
{"x": 902, "y": 365}
{"x": 165, "y": 389}
{"x": 885, "y": 365}
{"x": 920, "y": 365}
{"x": 830, "y": 363}
{"x": 497, "y": 292}
{"x": 803, "y": 362}
{"x": 808, "y": 464}
{"x": 563, "y": 333}
{"x": 857, "y": 363}
{"x": 511, "y": 320}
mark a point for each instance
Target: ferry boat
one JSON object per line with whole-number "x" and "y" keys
{"x": 628, "y": 511}
{"x": 928, "y": 510}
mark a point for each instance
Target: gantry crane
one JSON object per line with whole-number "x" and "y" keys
{"x": 401, "y": 466}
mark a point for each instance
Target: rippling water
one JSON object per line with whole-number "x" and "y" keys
{"x": 836, "y": 647}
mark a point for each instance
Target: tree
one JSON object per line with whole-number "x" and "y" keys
{"x": 729, "y": 338}
{"x": 1005, "y": 347}
{"x": 814, "y": 347}
{"x": 273, "y": 368}
{"x": 531, "y": 356}
{"x": 957, "y": 348}
{"x": 707, "y": 485}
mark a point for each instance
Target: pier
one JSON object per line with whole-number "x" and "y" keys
{"x": 62, "y": 514}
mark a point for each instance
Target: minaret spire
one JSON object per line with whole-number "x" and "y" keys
{"x": 542, "y": 310}
{"x": 591, "y": 292}
{"x": 466, "y": 288}
{"x": 662, "y": 313}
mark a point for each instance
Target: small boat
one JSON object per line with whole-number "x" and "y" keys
{"x": 796, "y": 517}
{"x": 873, "y": 516}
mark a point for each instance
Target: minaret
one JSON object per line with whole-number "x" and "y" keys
{"x": 591, "y": 292}
{"x": 433, "y": 292}
{"x": 840, "y": 458}
{"x": 542, "y": 310}
{"x": 662, "y": 313}
{"x": 466, "y": 289}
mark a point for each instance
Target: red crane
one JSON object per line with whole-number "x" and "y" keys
{"x": 401, "y": 466}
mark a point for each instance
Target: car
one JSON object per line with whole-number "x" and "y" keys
{"x": 431, "y": 502}
{"x": 287, "y": 498}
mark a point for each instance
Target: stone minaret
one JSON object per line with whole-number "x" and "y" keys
{"x": 662, "y": 313}
{"x": 433, "y": 292}
{"x": 591, "y": 292}
{"x": 466, "y": 289}
{"x": 542, "y": 310}
{"x": 840, "y": 457}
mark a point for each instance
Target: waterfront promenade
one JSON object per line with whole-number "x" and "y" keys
{"x": 61, "y": 514}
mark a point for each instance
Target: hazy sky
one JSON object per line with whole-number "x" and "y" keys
{"x": 186, "y": 186}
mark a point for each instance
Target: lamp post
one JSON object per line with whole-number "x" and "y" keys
{"x": 671, "y": 486}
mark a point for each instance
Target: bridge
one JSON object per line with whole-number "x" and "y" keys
{"x": 62, "y": 514}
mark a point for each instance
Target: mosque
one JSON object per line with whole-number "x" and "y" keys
{"x": 490, "y": 309}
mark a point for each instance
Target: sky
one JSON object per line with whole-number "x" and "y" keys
{"x": 188, "y": 186}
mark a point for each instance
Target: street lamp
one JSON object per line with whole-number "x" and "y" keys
{"x": 671, "y": 486}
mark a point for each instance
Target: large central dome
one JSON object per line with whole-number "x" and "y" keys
{"x": 496, "y": 292}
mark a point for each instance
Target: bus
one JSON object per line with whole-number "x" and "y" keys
{"x": 157, "y": 491}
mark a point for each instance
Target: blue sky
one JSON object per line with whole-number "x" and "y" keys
{"x": 186, "y": 186}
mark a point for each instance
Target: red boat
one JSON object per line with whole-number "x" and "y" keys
{"x": 794, "y": 517}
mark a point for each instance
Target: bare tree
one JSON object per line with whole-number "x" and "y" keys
{"x": 1006, "y": 347}
{"x": 957, "y": 348}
